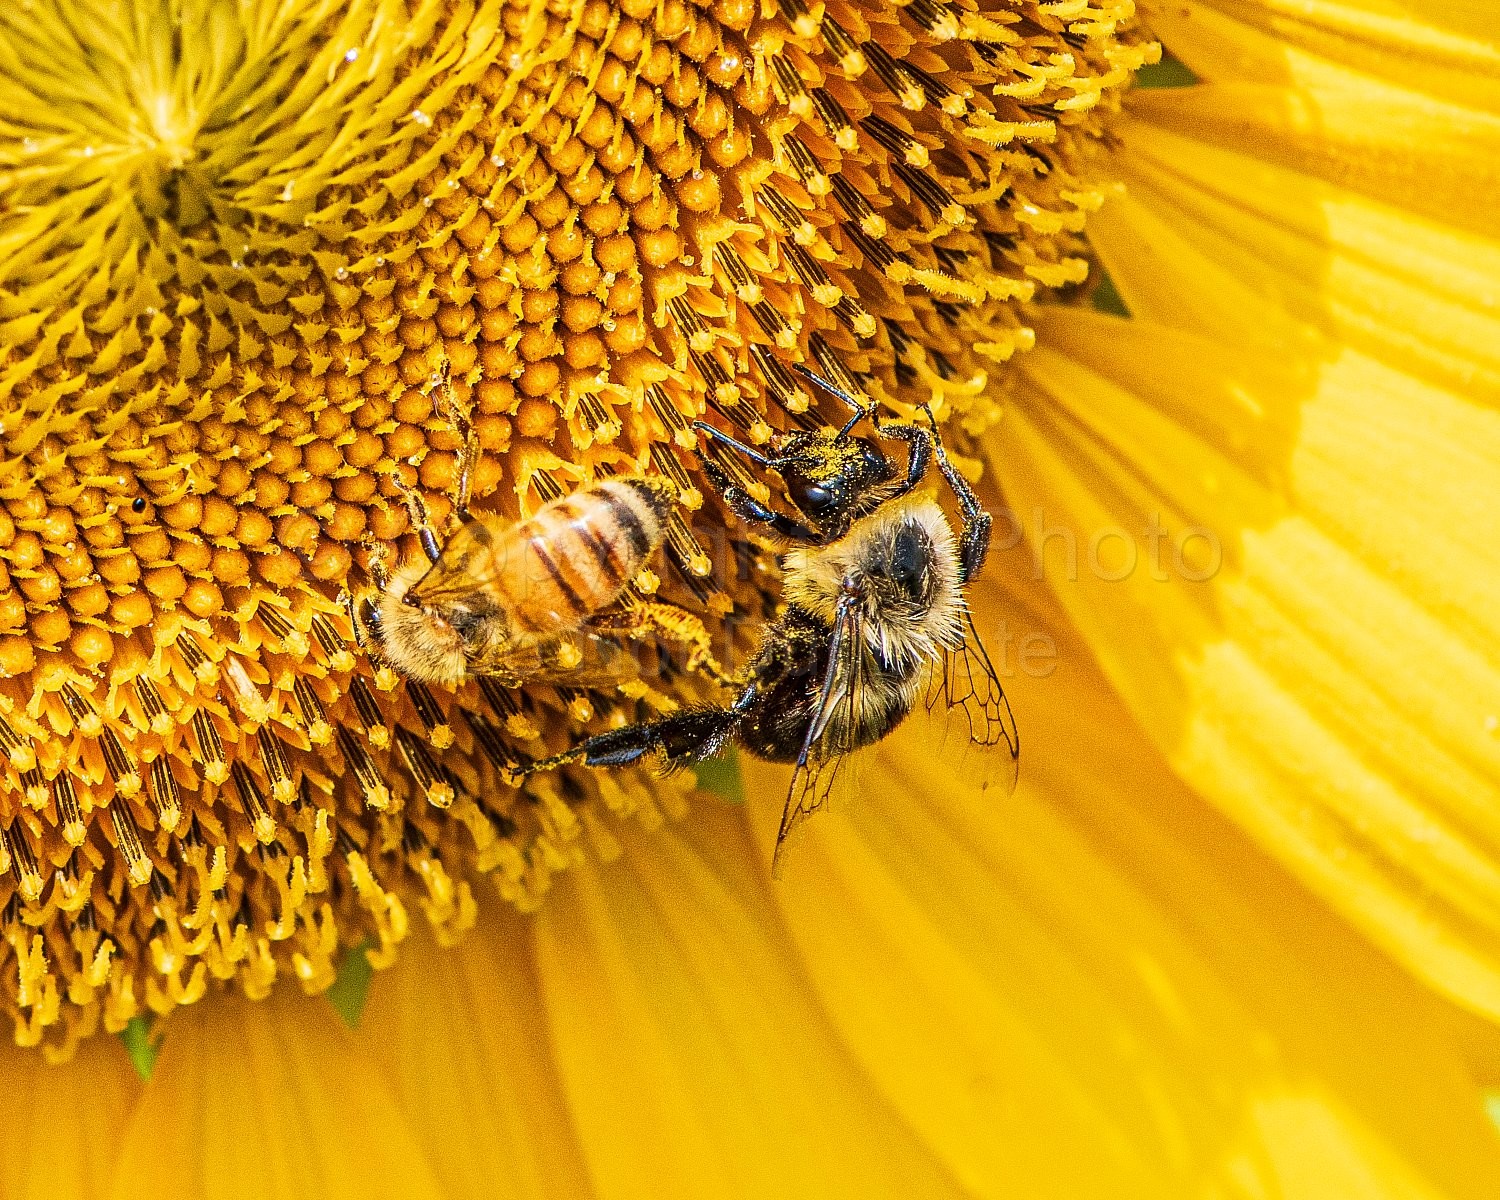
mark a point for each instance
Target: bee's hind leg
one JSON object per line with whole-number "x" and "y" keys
{"x": 682, "y": 738}
{"x": 685, "y": 737}
{"x": 671, "y": 624}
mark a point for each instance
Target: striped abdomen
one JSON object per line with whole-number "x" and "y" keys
{"x": 571, "y": 559}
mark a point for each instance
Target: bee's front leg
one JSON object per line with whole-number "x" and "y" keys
{"x": 416, "y": 509}
{"x": 468, "y": 451}
{"x": 919, "y": 443}
{"x": 364, "y": 619}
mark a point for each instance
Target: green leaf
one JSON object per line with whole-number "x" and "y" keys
{"x": 138, "y": 1044}
{"x": 352, "y": 985}
{"x": 1169, "y": 73}
{"x": 1106, "y": 297}
{"x": 721, "y": 776}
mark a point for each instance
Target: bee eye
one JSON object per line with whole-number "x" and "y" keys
{"x": 908, "y": 561}
{"x": 812, "y": 498}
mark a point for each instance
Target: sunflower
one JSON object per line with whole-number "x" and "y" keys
{"x": 1233, "y": 934}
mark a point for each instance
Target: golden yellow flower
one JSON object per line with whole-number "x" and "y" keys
{"x": 1261, "y": 507}
{"x": 242, "y": 247}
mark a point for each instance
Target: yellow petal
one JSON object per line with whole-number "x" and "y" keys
{"x": 1315, "y": 79}
{"x": 1382, "y": 37}
{"x": 1322, "y": 429}
{"x": 1313, "y": 642}
{"x": 66, "y": 1121}
{"x": 1100, "y": 988}
{"x": 267, "y": 1100}
{"x": 694, "y": 1057}
{"x": 1292, "y": 257}
{"x": 461, "y": 1036}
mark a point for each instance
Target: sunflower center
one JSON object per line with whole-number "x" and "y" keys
{"x": 237, "y": 257}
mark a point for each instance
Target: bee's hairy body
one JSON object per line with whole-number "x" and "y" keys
{"x": 900, "y": 567}
{"x": 875, "y": 618}
{"x": 500, "y": 592}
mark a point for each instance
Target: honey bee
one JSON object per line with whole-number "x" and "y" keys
{"x": 506, "y": 599}
{"x": 875, "y": 622}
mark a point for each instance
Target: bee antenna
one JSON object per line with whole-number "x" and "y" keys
{"x": 755, "y": 456}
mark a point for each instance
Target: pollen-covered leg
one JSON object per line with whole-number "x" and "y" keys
{"x": 671, "y": 624}
{"x": 380, "y": 563}
{"x": 468, "y": 451}
{"x": 420, "y": 520}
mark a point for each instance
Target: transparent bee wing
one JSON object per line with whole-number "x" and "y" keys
{"x": 813, "y": 784}
{"x": 828, "y": 742}
{"x": 968, "y": 684}
{"x": 581, "y": 660}
{"x": 479, "y": 552}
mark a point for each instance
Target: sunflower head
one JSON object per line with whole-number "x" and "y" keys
{"x": 240, "y": 243}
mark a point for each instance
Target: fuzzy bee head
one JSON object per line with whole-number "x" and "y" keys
{"x": 830, "y": 477}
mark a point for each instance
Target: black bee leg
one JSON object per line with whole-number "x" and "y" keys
{"x": 684, "y": 737}
{"x": 974, "y": 542}
{"x": 738, "y": 447}
{"x": 745, "y": 506}
{"x": 681, "y": 738}
{"x": 919, "y": 452}
{"x": 860, "y": 410}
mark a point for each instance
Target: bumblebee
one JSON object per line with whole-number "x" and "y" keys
{"x": 875, "y": 621}
{"x": 833, "y": 478}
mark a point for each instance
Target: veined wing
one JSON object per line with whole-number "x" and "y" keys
{"x": 581, "y": 660}
{"x": 830, "y": 732}
{"x": 486, "y": 548}
{"x": 969, "y": 684}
